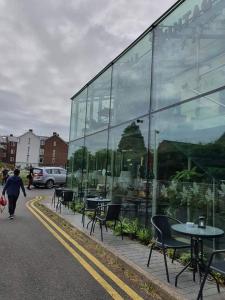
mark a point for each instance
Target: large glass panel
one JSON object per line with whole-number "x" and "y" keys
{"x": 78, "y": 113}
{"x": 98, "y": 103}
{"x": 189, "y": 52}
{"x": 75, "y": 164}
{"x": 95, "y": 164}
{"x": 131, "y": 82}
{"x": 188, "y": 155}
{"x": 127, "y": 167}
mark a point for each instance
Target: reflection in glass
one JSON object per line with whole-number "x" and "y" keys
{"x": 75, "y": 164}
{"x": 189, "y": 52}
{"x": 77, "y": 124}
{"x": 95, "y": 164}
{"x": 98, "y": 103}
{"x": 127, "y": 165}
{"x": 190, "y": 149}
{"x": 131, "y": 83}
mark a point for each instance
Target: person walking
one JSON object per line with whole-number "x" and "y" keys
{"x": 5, "y": 175}
{"x": 30, "y": 177}
{"x": 12, "y": 188}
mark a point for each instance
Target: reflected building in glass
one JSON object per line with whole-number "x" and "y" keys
{"x": 149, "y": 130}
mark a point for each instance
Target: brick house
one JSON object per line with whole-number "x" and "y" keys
{"x": 8, "y": 146}
{"x": 55, "y": 151}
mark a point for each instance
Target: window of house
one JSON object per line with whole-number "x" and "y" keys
{"x": 11, "y": 151}
{"x": 42, "y": 151}
{"x": 54, "y": 144}
{"x": 53, "y": 153}
{"x": 12, "y": 159}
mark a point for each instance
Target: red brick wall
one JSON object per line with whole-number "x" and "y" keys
{"x": 55, "y": 152}
{"x": 11, "y": 152}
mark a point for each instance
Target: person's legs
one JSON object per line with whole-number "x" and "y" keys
{"x": 29, "y": 183}
{"x": 12, "y": 204}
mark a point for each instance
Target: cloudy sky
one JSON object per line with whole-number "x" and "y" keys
{"x": 50, "y": 49}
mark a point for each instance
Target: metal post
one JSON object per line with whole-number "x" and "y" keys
{"x": 155, "y": 173}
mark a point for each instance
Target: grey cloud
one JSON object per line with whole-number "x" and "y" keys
{"x": 50, "y": 49}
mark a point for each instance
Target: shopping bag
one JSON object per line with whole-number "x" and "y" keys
{"x": 3, "y": 203}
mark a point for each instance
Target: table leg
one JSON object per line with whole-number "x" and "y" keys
{"x": 196, "y": 261}
{"x": 189, "y": 264}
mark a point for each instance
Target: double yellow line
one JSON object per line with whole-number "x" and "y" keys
{"x": 113, "y": 293}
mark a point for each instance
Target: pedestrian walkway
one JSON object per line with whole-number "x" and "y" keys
{"x": 136, "y": 255}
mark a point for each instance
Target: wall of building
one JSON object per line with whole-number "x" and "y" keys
{"x": 149, "y": 131}
{"x": 28, "y": 149}
{"x": 8, "y": 146}
{"x": 55, "y": 151}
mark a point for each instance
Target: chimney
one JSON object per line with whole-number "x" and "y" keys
{"x": 11, "y": 134}
{"x": 30, "y": 130}
{"x": 55, "y": 134}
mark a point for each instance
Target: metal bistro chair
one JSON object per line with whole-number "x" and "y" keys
{"x": 214, "y": 265}
{"x": 164, "y": 239}
{"x": 67, "y": 198}
{"x": 112, "y": 214}
{"x": 58, "y": 192}
{"x": 89, "y": 206}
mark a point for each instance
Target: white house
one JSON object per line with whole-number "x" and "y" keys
{"x": 28, "y": 150}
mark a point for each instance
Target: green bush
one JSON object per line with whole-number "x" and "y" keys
{"x": 144, "y": 235}
{"x": 185, "y": 258}
{"x": 77, "y": 206}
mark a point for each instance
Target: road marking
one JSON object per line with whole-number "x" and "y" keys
{"x": 113, "y": 293}
{"x": 133, "y": 295}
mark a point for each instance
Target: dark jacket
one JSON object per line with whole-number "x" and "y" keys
{"x": 13, "y": 185}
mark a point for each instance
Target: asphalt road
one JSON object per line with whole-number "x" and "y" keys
{"x": 34, "y": 265}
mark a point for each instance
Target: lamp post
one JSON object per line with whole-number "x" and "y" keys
{"x": 155, "y": 173}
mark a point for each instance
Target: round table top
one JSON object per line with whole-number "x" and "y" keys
{"x": 195, "y": 231}
{"x": 64, "y": 189}
{"x": 99, "y": 200}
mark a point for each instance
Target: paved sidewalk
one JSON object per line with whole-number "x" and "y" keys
{"x": 136, "y": 255}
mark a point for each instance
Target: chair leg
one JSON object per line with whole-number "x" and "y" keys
{"x": 121, "y": 228}
{"x": 165, "y": 260}
{"x": 83, "y": 217}
{"x": 114, "y": 225}
{"x": 217, "y": 283}
{"x": 100, "y": 223}
{"x": 174, "y": 253}
{"x": 202, "y": 285}
{"x": 94, "y": 225}
{"x": 150, "y": 254}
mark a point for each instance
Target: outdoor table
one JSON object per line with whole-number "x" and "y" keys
{"x": 196, "y": 234}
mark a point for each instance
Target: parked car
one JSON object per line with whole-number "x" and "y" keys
{"x": 49, "y": 176}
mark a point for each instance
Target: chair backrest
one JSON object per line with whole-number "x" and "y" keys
{"x": 113, "y": 212}
{"x": 67, "y": 196}
{"x": 58, "y": 192}
{"x": 161, "y": 222}
{"x": 89, "y": 204}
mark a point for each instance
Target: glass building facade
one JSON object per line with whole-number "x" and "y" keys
{"x": 149, "y": 130}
